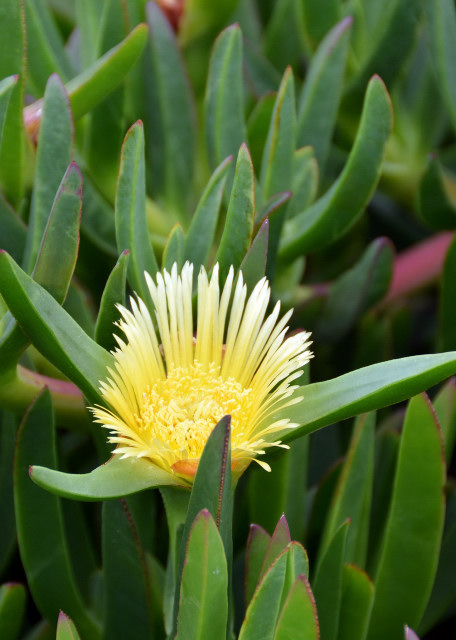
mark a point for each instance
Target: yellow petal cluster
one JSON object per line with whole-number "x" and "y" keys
{"x": 168, "y": 389}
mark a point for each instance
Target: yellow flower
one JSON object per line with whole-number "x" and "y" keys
{"x": 166, "y": 394}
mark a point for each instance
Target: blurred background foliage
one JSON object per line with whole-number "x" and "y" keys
{"x": 311, "y": 140}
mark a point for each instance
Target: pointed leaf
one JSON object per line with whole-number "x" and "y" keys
{"x": 90, "y": 87}
{"x": 130, "y": 211}
{"x": 257, "y": 545}
{"x": 279, "y": 541}
{"x": 277, "y": 162}
{"x": 321, "y": 92}
{"x": 203, "y": 607}
{"x": 304, "y": 185}
{"x": 212, "y": 491}
{"x": 116, "y": 478}
{"x": 12, "y": 61}
{"x": 66, "y": 629}
{"x": 53, "y": 157}
{"x": 264, "y": 608}
{"x": 170, "y": 117}
{"x": 298, "y": 618}
{"x": 237, "y": 233}
{"x": 345, "y": 201}
{"x": 366, "y": 389}
{"x": 411, "y": 541}
{"x": 41, "y": 535}
{"x": 200, "y": 236}
{"x": 225, "y": 127}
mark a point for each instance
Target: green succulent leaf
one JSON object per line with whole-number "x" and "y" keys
{"x": 253, "y": 266}
{"x": 445, "y": 407}
{"x": 66, "y": 629}
{"x": 448, "y": 303}
{"x": 116, "y": 478}
{"x": 280, "y": 540}
{"x": 225, "y": 126}
{"x": 298, "y": 618}
{"x": 6, "y": 88}
{"x": 353, "y": 491}
{"x": 174, "y": 248}
{"x": 441, "y": 19}
{"x": 238, "y": 230}
{"x": 284, "y": 34}
{"x": 327, "y": 584}
{"x": 53, "y": 157}
{"x": 41, "y": 536}
{"x": 321, "y": 92}
{"x": 278, "y": 154}
{"x": 319, "y": 17}
{"x": 8, "y": 529}
{"x": 212, "y": 491}
{"x": 96, "y": 82}
{"x": 113, "y": 294}
{"x": 435, "y": 203}
{"x": 330, "y": 216}
{"x": 203, "y": 606}
{"x": 127, "y": 604}
{"x": 52, "y": 330}
{"x": 200, "y": 236}
{"x": 304, "y": 185}
{"x": 14, "y": 231}
{"x": 356, "y": 607}
{"x": 130, "y": 211}
{"x": 12, "y": 62}
{"x": 409, "y": 554}
{"x": 264, "y": 608}
{"x": 257, "y": 546}
{"x": 170, "y": 116}
{"x": 45, "y": 51}
{"x": 444, "y": 590}
{"x": 366, "y": 389}
{"x": 12, "y": 609}
{"x": 356, "y": 290}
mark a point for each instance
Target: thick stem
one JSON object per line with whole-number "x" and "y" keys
{"x": 19, "y": 386}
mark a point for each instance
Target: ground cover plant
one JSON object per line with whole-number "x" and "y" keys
{"x": 227, "y": 319}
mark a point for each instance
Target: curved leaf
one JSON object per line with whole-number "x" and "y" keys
{"x": 366, "y": 389}
{"x": 331, "y": 215}
{"x": 114, "y": 479}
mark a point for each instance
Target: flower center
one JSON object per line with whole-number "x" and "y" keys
{"x": 181, "y": 410}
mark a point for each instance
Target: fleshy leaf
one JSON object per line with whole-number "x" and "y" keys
{"x": 41, "y": 535}
{"x": 130, "y": 211}
{"x": 411, "y": 540}
{"x": 330, "y": 216}
{"x": 116, "y": 478}
{"x": 366, "y": 389}
{"x": 203, "y": 606}
{"x": 240, "y": 216}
